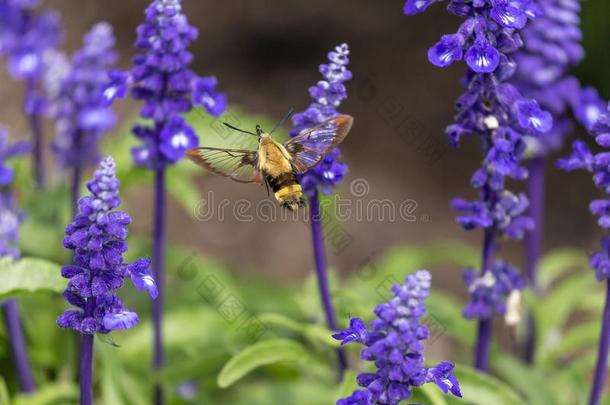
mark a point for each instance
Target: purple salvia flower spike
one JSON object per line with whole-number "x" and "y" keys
{"x": 161, "y": 79}
{"x": 82, "y": 117}
{"x": 504, "y": 119}
{"x": 27, "y": 38}
{"x": 9, "y": 238}
{"x": 97, "y": 237}
{"x": 598, "y": 165}
{"x": 394, "y": 343}
{"x": 551, "y": 48}
{"x": 327, "y": 96}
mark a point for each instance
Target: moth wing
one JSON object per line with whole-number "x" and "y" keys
{"x": 310, "y": 146}
{"x": 237, "y": 164}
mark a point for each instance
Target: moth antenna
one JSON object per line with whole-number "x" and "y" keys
{"x": 239, "y": 129}
{"x": 279, "y": 124}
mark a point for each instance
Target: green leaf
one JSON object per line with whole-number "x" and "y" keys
{"x": 206, "y": 363}
{"x": 4, "y": 397}
{"x": 348, "y": 385}
{"x": 433, "y": 395}
{"x": 182, "y": 328}
{"x": 558, "y": 262}
{"x": 445, "y": 317}
{"x": 580, "y": 338}
{"x": 528, "y": 381}
{"x": 257, "y": 355}
{"x": 314, "y": 333}
{"x": 43, "y": 241}
{"x": 482, "y": 389}
{"x": 54, "y": 394}
{"x": 118, "y": 387}
{"x": 29, "y": 275}
{"x": 553, "y": 310}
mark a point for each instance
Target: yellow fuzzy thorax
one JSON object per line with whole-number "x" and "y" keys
{"x": 273, "y": 158}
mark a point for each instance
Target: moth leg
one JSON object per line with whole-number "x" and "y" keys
{"x": 267, "y": 185}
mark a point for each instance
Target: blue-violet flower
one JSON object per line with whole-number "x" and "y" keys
{"x": 97, "y": 236}
{"x": 162, "y": 79}
{"x": 327, "y": 96}
{"x": 82, "y": 116}
{"x": 394, "y": 343}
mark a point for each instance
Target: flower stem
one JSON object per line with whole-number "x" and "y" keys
{"x": 75, "y": 188}
{"x": 533, "y": 239}
{"x": 37, "y": 139}
{"x": 601, "y": 369}
{"x": 485, "y": 327}
{"x": 533, "y": 247}
{"x": 322, "y": 274}
{"x": 17, "y": 344}
{"x": 158, "y": 273}
{"x": 86, "y": 361}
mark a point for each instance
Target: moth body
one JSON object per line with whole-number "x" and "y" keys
{"x": 275, "y": 163}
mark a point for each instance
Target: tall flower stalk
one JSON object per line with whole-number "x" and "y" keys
{"x": 599, "y": 165}
{"x": 394, "y": 343}
{"x": 551, "y": 48}
{"x": 27, "y": 37}
{"x": 82, "y": 116}
{"x": 161, "y": 78}
{"x": 97, "y": 237}
{"x": 495, "y": 111}
{"x": 327, "y": 96}
{"x": 10, "y": 220}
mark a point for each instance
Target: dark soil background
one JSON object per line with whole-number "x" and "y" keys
{"x": 265, "y": 55}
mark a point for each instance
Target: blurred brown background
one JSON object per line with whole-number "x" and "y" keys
{"x": 266, "y": 55}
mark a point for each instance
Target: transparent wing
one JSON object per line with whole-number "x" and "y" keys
{"x": 310, "y": 146}
{"x": 237, "y": 164}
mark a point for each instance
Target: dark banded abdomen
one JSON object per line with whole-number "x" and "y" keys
{"x": 286, "y": 189}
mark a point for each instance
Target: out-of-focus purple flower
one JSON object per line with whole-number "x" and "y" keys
{"x": 600, "y": 261}
{"x": 599, "y": 165}
{"x": 7, "y": 151}
{"x": 488, "y": 292}
{"x": 82, "y": 117}
{"x": 97, "y": 236}
{"x": 327, "y": 96}
{"x": 493, "y": 109}
{"x": 580, "y": 158}
{"x": 11, "y": 218}
{"x": 551, "y": 48}
{"x": 10, "y": 215}
{"x": 26, "y": 36}
{"x": 507, "y": 215}
{"x": 395, "y": 344}
{"x": 589, "y": 108}
{"x": 532, "y": 118}
{"x": 161, "y": 78}
{"x": 413, "y": 7}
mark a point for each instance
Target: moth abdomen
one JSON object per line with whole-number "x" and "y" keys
{"x": 286, "y": 189}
